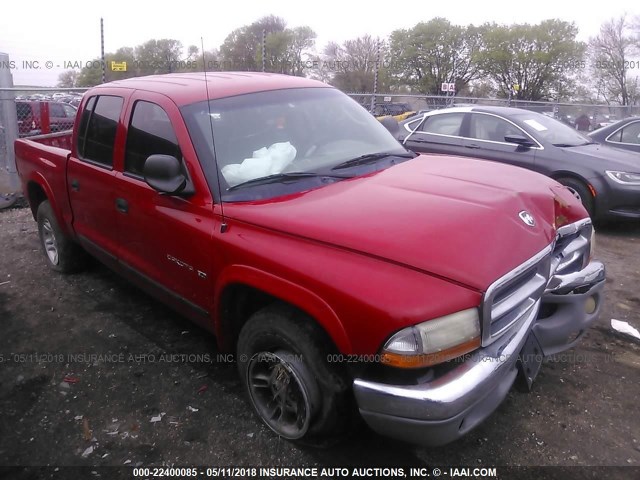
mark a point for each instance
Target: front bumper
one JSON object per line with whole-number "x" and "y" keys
{"x": 437, "y": 410}
{"x": 616, "y": 201}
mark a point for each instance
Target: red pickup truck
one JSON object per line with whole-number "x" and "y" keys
{"x": 347, "y": 274}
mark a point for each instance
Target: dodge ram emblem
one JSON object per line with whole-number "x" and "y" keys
{"x": 527, "y": 218}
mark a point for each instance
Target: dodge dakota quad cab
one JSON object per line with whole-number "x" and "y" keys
{"x": 346, "y": 274}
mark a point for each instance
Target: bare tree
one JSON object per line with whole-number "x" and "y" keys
{"x": 611, "y": 58}
{"x": 352, "y": 64}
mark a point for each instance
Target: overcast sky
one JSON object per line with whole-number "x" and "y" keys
{"x": 70, "y": 30}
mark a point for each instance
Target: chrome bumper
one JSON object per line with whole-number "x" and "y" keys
{"x": 437, "y": 411}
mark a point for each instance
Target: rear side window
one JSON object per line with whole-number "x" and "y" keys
{"x": 443, "y": 124}
{"x": 84, "y": 121}
{"x": 102, "y": 122}
{"x": 56, "y": 110}
{"x": 631, "y": 133}
{"x": 69, "y": 111}
{"x": 150, "y": 132}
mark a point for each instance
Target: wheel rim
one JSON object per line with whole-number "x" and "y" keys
{"x": 279, "y": 393}
{"x": 50, "y": 242}
{"x": 575, "y": 193}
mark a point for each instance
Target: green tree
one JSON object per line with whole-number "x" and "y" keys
{"x": 286, "y": 51}
{"x": 542, "y": 60}
{"x": 91, "y": 74}
{"x": 434, "y": 52}
{"x": 149, "y": 58}
{"x": 158, "y": 56}
{"x": 68, "y": 79}
{"x": 240, "y": 49}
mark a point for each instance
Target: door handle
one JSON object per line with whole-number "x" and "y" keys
{"x": 122, "y": 205}
{"x": 472, "y": 145}
{"x": 75, "y": 185}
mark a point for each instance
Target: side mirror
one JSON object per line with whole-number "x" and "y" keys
{"x": 520, "y": 140}
{"x": 164, "y": 174}
{"x": 391, "y": 124}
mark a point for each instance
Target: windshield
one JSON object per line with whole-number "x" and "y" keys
{"x": 278, "y": 135}
{"x": 552, "y": 131}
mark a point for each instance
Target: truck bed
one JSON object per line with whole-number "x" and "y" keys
{"x": 41, "y": 163}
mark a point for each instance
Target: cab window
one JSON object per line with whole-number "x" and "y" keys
{"x": 150, "y": 132}
{"x": 102, "y": 122}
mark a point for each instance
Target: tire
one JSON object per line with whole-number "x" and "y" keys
{"x": 296, "y": 392}
{"x": 62, "y": 254}
{"x": 580, "y": 191}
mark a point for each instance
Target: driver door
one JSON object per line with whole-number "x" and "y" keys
{"x": 486, "y": 139}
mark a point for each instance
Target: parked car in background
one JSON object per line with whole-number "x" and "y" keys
{"x": 399, "y": 111}
{"x": 623, "y": 134}
{"x": 606, "y": 180}
{"x": 600, "y": 120}
{"x": 30, "y": 122}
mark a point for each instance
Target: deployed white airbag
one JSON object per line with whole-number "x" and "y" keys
{"x": 266, "y": 161}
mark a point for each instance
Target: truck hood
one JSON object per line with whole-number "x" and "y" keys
{"x": 451, "y": 217}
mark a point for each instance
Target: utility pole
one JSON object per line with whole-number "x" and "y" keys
{"x": 375, "y": 75}
{"x": 104, "y": 64}
{"x": 264, "y": 49}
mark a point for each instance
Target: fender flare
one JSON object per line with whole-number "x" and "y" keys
{"x": 39, "y": 179}
{"x": 286, "y": 291}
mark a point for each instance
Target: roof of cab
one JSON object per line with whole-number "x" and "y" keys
{"x": 187, "y": 88}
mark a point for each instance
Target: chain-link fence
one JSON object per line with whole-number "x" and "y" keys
{"x": 28, "y": 111}
{"x": 599, "y": 115}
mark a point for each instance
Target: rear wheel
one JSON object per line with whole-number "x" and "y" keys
{"x": 282, "y": 359}
{"x": 579, "y": 190}
{"x": 63, "y": 255}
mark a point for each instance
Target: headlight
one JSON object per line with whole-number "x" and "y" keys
{"x": 433, "y": 342}
{"x": 624, "y": 178}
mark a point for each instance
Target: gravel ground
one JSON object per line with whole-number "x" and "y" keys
{"x": 94, "y": 372}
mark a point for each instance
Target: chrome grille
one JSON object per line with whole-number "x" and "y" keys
{"x": 516, "y": 296}
{"x": 512, "y": 297}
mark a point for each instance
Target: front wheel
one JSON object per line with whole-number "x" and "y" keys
{"x": 282, "y": 359}
{"x": 580, "y": 191}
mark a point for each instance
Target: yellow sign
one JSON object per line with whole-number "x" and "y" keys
{"x": 118, "y": 66}
{"x": 516, "y": 87}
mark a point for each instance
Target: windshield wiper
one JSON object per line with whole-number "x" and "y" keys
{"x": 279, "y": 177}
{"x": 372, "y": 157}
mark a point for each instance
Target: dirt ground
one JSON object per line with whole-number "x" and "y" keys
{"x": 94, "y": 372}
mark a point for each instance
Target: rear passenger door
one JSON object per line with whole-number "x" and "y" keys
{"x": 167, "y": 240}
{"x": 91, "y": 178}
{"x": 439, "y": 133}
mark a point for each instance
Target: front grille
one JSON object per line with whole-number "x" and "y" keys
{"x": 516, "y": 296}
